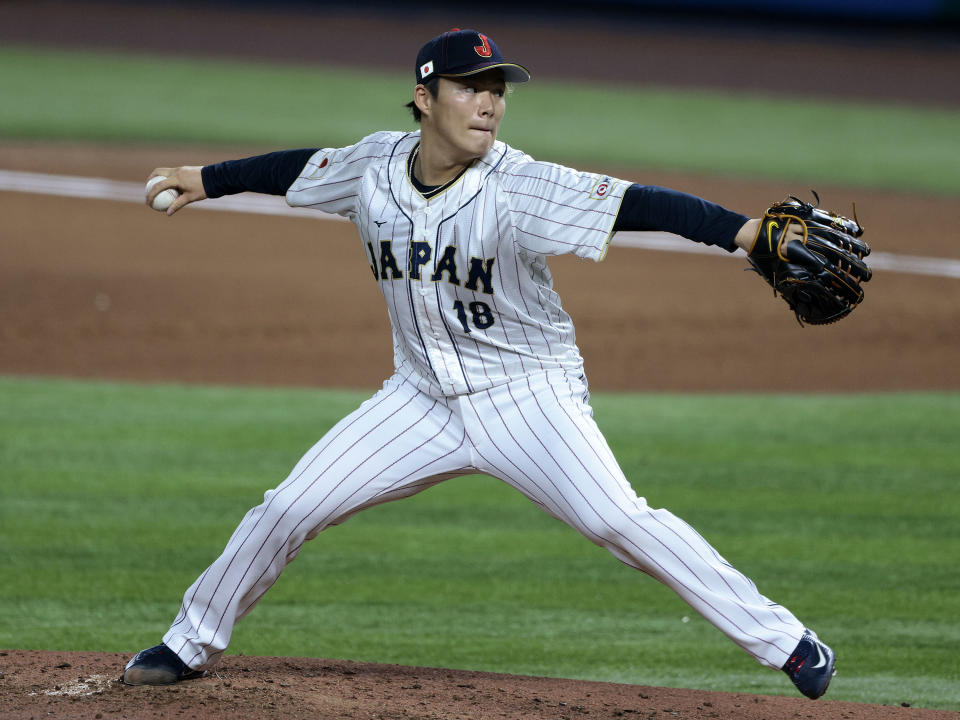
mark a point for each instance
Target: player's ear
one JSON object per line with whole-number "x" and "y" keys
{"x": 423, "y": 99}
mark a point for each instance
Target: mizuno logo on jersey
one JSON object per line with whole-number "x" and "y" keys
{"x": 385, "y": 266}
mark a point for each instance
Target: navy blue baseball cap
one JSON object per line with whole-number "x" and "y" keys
{"x": 457, "y": 53}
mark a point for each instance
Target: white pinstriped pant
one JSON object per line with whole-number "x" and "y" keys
{"x": 538, "y": 435}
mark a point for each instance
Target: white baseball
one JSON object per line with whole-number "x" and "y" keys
{"x": 164, "y": 199}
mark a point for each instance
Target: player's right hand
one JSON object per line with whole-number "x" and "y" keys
{"x": 186, "y": 180}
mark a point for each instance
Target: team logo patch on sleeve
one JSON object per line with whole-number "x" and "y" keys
{"x": 317, "y": 169}
{"x": 602, "y": 188}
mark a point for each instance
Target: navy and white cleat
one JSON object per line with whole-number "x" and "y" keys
{"x": 811, "y": 666}
{"x": 158, "y": 665}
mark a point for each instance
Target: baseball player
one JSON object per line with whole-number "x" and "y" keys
{"x": 457, "y": 227}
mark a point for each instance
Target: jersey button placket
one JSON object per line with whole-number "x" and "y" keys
{"x": 432, "y": 340}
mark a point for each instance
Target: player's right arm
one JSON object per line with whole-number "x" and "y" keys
{"x": 325, "y": 179}
{"x": 272, "y": 174}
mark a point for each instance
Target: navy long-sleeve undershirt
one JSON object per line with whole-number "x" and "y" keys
{"x": 644, "y": 207}
{"x": 650, "y": 207}
{"x": 271, "y": 174}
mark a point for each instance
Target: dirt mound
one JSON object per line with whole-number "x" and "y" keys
{"x": 36, "y": 684}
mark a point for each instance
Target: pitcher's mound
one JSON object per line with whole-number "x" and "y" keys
{"x": 45, "y": 684}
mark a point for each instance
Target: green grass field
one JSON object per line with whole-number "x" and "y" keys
{"x": 845, "y": 508}
{"x": 101, "y": 96}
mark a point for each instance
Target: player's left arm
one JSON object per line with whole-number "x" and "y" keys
{"x": 746, "y": 234}
{"x": 650, "y": 207}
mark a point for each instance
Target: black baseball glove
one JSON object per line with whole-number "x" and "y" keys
{"x": 820, "y": 275}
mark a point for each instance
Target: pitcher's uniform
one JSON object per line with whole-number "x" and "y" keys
{"x": 488, "y": 378}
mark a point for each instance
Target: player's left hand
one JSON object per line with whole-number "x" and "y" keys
{"x": 811, "y": 257}
{"x": 748, "y": 233}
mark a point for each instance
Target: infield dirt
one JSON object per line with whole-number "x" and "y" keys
{"x": 110, "y": 289}
{"x": 106, "y": 289}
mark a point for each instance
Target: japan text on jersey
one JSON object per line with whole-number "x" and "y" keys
{"x": 464, "y": 274}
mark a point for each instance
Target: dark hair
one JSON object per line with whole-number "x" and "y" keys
{"x": 432, "y": 86}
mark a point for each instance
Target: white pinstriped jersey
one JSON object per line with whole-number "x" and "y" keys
{"x": 464, "y": 274}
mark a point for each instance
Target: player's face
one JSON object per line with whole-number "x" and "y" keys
{"x": 466, "y": 114}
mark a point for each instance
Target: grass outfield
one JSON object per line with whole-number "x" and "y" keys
{"x": 114, "y": 97}
{"x": 846, "y": 508}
